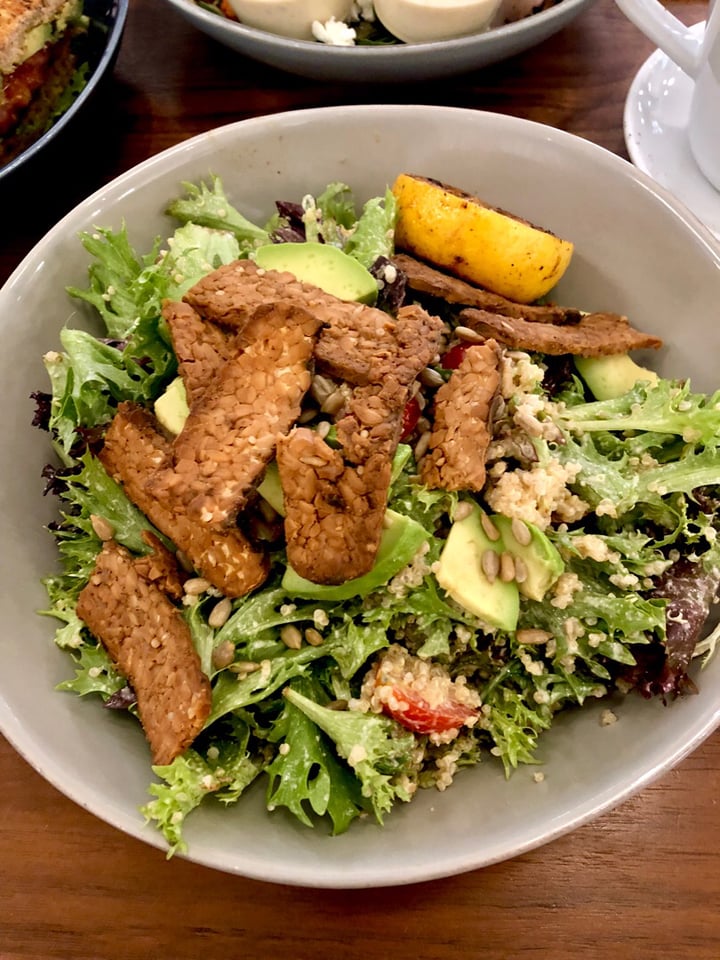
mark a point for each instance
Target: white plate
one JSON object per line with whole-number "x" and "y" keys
{"x": 655, "y": 119}
{"x": 637, "y": 251}
{"x": 379, "y": 64}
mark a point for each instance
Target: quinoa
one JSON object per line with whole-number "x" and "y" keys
{"x": 397, "y": 672}
{"x": 537, "y": 494}
{"x": 565, "y": 587}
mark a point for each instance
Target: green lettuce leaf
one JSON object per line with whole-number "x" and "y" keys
{"x": 374, "y": 232}
{"x": 308, "y": 773}
{"x": 664, "y": 407}
{"x": 207, "y": 205}
{"x": 119, "y": 288}
{"x": 225, "y": 771}
{"x": 378, "y": 749}
{"x": 193, "y": 252}
{"x": 95, "y": 672}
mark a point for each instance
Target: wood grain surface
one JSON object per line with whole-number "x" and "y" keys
{"x": 643, "y": 881}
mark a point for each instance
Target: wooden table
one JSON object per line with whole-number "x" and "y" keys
{"x": 641, "y": 882}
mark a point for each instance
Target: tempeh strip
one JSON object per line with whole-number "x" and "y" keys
{"x": 230, "y": 435}
{"x": 200, "y": 347}
{"x": 133, "y": 452}
{"x": 461, "y": 428}
{"x": 334, "y": 511}
{"x": 595, "y": 335}
{"x": 423, "y": 278}
{"x": 358, "y": 344}
{"x": 147, "y": 638}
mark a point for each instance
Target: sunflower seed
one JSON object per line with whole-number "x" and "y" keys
{"x": 220, "y": 613}
{"x": 491, "y": 531}
{"x": 507, "y": 567}
{"x": 521, "y": 571}
{"x": 291, "y": 636}
{"x": 521, "y": 532}
{"x": 102, "y": 528}
{"x": 490, "y": 563}
{"x": 533, "y": 635}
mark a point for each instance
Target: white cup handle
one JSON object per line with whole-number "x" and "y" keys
{"x": 665, "y": 30}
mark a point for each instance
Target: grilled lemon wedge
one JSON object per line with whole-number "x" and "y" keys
{"x": 479, "y": 243}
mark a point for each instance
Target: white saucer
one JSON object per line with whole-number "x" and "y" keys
{"x": 656, "y": 113}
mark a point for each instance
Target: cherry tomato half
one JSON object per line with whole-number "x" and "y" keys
{"x": 411, "y": 415}
{"x": 454, "y": 356}
{"x": 416, "y": 714}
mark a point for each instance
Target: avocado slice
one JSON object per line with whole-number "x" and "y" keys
{"x": 35, "y": 39}
{"x": 460, "y": 573}
{"x": 611, "y": 377}
{"x": 540, "y": 557}
{"x": 323, "y": 265}
{"x": 171, "y": 407}
{"x": 270, "y": 488}
{"x": 401, "y": 539}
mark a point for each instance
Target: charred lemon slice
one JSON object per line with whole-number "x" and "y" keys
{"x": 482, "y": 244}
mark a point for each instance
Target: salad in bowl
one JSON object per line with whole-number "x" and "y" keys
{"x": 348, "y": 502}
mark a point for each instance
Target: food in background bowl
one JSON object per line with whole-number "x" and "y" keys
{"x": 55, "y": 55}
{"x": 345, "y": 23}
{"x": 39, "y": 67}
{"x": 421, "y": 21}
{"x": 99, "y": 756}
{"x": 291, "y": 18}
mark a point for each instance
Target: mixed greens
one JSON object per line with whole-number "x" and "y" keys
{"x": 639, "y": 549}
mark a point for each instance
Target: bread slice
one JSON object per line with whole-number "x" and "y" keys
{"x": 17, "y": 19}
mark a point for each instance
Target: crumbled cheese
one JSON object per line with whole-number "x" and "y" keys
{"x": 390, "y": 273}
{"x": 333, "y": 32}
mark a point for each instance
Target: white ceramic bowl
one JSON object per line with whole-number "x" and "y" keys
{"x": 387, "y": 63}
{"x": 637, "y": 252}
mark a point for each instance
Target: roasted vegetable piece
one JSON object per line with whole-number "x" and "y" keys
{"x": 477, "y": 242}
